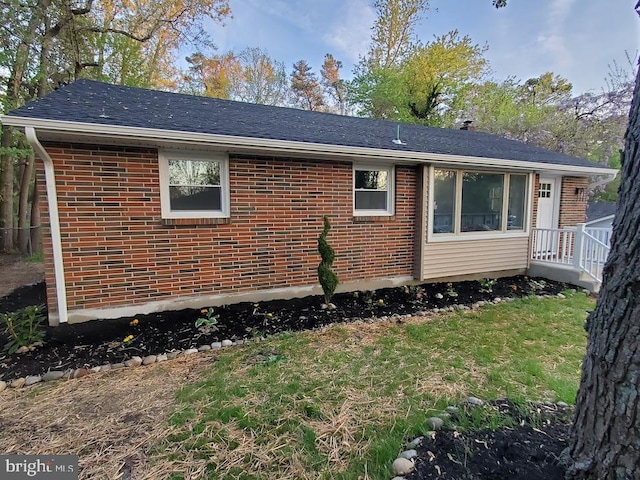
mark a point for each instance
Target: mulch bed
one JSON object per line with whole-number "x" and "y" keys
{"x": 98, "y": 342}
{"x": 528, "y": 450}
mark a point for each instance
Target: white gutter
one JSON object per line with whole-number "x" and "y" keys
{"x": 287, "y": 146}
{"x": 54, "y": 219}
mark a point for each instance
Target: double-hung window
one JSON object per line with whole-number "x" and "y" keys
{"x": 373, "y": 190}
{"x": 468, "y": 201}
{"x": 194, "y": 185}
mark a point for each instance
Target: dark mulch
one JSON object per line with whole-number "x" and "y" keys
{"x": 100, "y": 341}
{"x": 530, "y": 449}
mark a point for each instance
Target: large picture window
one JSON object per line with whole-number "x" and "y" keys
{"x": 467, "y": 201}
{"x": 372, "y": 190}
{"x": 194, "y": 185}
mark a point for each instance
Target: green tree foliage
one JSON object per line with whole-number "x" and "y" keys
{"x": 326, "y": 276}
{"x": 426, "y": 86}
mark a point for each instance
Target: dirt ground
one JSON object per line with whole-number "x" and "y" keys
{"x": 17, "y": 271}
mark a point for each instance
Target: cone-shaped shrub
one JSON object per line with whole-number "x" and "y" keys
{"x": 328, "y": 279}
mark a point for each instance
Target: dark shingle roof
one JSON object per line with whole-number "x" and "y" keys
{"x": 99, "y": 103}
{"x": 599, "y": 209}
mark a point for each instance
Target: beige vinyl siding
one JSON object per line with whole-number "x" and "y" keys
{"x": 467, "y": 257}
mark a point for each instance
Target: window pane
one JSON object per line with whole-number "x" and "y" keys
{"x": 517, "y": 188}
{"x": 371, "y": 179}
{"x": 444, "y": 196}
{"x": 195, "y": 198}
{"x": 481, "y": 202}
{"x": 367, "y": 200}
{"x": 194, "y": 172}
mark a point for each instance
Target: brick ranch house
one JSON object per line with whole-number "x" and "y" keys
{"x": 157, "y": 201}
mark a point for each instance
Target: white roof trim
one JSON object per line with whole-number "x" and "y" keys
{"x": 285, "y": 146}
{"x": 601, "y": 219}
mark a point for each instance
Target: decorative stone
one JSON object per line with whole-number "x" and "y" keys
{"x": 3, "y": 385}
{"x": 560, "y": 295}
{"x": 415, "y": 443}
{"x": 22, "y": 349}
{"x": 402, "y": 466}
{"x": 227, "y": 343}
{"x": 133, "y": 362}
{"x": 172, "y": 355}
{"x": 444, "y": 415}
{"x": 80, "y": 372}
{"x": 95, "y": 369}
{"x": 436, "y": 423}
{"x": 475, "y": 401}
{"x": 482, "y": 303}
{"x": 239, "y": 342}
{"x": 439, "y": 296}
{"x": 452, "y": 409}
{"x": 18, "y": 383}
{"x": 331, "y": 306}
{"x": 190, "y": 351}
{"x": 162, "y": 358}
{"x": 216, "y": 345}
{"x": 148, "y": 360}
{"x": 204, "y": 348}
{"x": 398, "y": 478}
{"x": 497, "y": 300}
{"x": 562, "y": 404}
{"x": 105, "y": 368}
{"x": 409, "y": 454}
{"x": 32, "y": 380}
{"x": 324, "y": 306}
{"x": 52, "y": 375}
{"x": 117, "y": 366}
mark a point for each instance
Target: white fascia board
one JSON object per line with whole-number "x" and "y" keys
{"x": 265, "y": 145}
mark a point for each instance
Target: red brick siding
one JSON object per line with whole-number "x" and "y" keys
{"x": 573, "y": 207}
{"x": 117, "y": 250}
{"x": 534, "y": 213}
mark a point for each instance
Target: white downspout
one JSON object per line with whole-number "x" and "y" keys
{"x": 54, "y": 220}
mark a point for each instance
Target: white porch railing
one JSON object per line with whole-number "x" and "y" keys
{"x": 584, "y": 249}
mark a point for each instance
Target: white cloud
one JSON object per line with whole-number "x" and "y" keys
{"x": 553, "y": 41}
{"x": 350, "y": 33}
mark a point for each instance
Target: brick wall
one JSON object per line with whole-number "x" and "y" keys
{"x": 573, "y": 207}
{"x": 117, "y": 251}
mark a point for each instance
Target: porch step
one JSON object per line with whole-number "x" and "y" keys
{"x": 562, "y": 273}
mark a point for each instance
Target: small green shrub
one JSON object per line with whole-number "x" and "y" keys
{"x": 486, "y": 284}
{"x": 23, "y": 327}
{"x": 328, "y": 279}
{"x": 208, "y": 322}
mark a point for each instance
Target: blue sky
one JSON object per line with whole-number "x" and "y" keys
{"x": 576, "y": 39}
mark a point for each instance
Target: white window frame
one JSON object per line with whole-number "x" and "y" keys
{"x": 163, "y": 160}
{"x": 459, "y": 235}
{"x": 391, "y": 181}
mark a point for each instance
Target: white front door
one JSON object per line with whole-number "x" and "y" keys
{"x": 547, "y": 241}
{"x": 546, "y": 215}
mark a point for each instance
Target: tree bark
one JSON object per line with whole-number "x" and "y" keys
{"x": 36, "y": 227}
{"x": 23, "y": 204}
{"x": 6, "y": 193}
{"x": 605, "y": 440}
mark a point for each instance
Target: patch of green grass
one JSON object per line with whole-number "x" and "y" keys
{"x": 340, "y": 403}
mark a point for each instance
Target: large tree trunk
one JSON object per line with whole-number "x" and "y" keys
{"x": 605, "y": 441}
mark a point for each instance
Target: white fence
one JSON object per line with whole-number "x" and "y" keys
{"x": 586, "y": 249}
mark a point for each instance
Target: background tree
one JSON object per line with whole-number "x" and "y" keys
{"x": 48, "y": 42}
{"x": 211, "y": 76}
{"x": 334, "y": 86}
{"x": 306, "y": 92}
{"x": 261, "y": 79}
